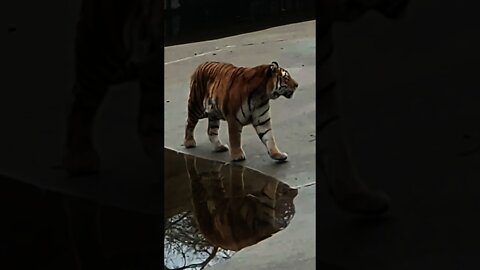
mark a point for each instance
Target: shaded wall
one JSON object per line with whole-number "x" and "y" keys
{"x": 192, "y": 20}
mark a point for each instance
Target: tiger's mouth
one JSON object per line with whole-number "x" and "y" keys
{"x": 283, "y": 91}
{"x": 288, "y": 94}
{"x": 275, "y": 95}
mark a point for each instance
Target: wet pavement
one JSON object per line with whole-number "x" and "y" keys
{"x": 215, "y": 209}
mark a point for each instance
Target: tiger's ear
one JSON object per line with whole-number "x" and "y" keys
{"x": 273, "y": 68}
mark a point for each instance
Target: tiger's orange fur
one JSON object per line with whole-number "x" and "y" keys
{"x": 239, "y": 95}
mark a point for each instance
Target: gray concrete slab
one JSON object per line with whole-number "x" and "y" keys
{"x": 292, "y": 247}
{"x": 293, "y": 47}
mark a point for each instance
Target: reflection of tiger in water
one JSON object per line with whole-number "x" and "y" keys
{"x": 116, "y": 41}
{"x": 235, "y": 212}
{"x": 239, "y": 95}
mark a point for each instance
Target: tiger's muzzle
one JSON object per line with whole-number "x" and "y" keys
{"x": 289, "y": 90}
{"x": 285, "y": 90}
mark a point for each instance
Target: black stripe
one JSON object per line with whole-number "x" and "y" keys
{"x": 268, "y": 108}
{"x": 239, "y": 121}
{"x": 213, "y": 134}
{"x": 241, "y": 108}
{"x": 263, "y": 133}
{"x": 263, "y": 123}
{"x": 196, "y": 107}
{"x": 213, "y": 126}
{"x": 264, "y": 103}
{"x": 232, "y": 80}
{"x": 196, "y": 114}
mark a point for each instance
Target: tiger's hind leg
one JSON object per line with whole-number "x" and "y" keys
{"x": 213, "y": 127}
{"x": 189, "y": 141}
{"x": 195, "y": 113}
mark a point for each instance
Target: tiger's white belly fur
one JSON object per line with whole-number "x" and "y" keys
{"x": 244, "y": 114}
{"x": 212, "y": 109}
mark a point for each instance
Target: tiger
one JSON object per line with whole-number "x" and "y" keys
{"x": 233, "y": 210}
{"x": 335, "y": 158}
{"x": 240, "y": 96}
{"x": 116, "y": 41}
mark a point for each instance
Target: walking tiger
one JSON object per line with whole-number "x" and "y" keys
{"x": 241, "y": 96}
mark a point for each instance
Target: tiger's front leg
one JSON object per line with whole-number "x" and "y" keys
{"x": 213, "y": 127}
{"x": 263, "y": 127}
{"x": 235, "y": 137}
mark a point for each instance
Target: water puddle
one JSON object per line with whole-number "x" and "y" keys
{"x": 214, "y": 209}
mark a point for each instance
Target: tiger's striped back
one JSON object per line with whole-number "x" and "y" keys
{"x": 212, "y": 89}
{"x": 239, "y": 95}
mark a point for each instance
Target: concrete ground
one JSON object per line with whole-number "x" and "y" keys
{"x": 293, "y": 47}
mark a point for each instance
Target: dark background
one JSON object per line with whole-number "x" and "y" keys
{"x": 111, "y": 220}
{"x": 412, "y": 95}
{"x": 195, "y": 21}
{"x": 412, "y": 102}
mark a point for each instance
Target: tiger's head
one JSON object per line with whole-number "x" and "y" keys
{"x": 283, "y": 83}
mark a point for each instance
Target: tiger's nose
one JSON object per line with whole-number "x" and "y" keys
{"x": 295, "y": 84}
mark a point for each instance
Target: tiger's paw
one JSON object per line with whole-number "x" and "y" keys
{"x": 238, "y": 156}
{"x": 190, "y": 143}
{"x": 279, "y": 156}
{"x": 221, "y": 148}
